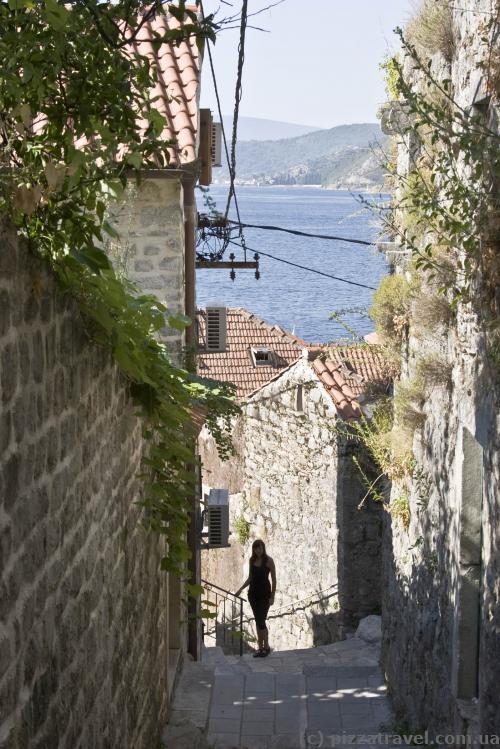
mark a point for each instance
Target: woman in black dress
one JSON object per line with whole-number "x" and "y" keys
{"x": 261, "y": 593}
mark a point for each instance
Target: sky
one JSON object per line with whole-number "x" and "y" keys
{"x": 318, "y": 65}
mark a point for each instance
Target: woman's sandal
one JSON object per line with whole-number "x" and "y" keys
{"x": 265, "y": 652}
{"x": 258, "y": 653}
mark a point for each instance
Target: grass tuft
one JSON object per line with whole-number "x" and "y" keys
{"x": 431, "y": 29}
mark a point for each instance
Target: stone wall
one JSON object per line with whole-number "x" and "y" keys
{"x": 441, "y": 612}
{"x": 299, "y": 493}
{"x": 150, "y": 221}
{"x": 84, "y": 610}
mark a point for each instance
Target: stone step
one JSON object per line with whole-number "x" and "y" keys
{"x": 213, "y": 654}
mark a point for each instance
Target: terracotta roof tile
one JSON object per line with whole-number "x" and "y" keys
{"x": 244, "y": 331}
{"x": 178, "y": 86}
{"x": 177, "y": 90}
{"x": 345, "y": 372}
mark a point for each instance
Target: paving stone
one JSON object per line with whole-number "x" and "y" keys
{"x": 321, "y": 683}
{"x": 255, "y": 742}
{"x": 224, "y": 740}
{"x": 233, "y": 712}
{"x": 381, "y": 712}
{"x": 359, "y": 724}
{"x": 355, "y": 708}
{"x": 290, "y": 707}
{"x": 324, "y": 709}
{"x": 259, "y": 700}
{"x": 287, "y": 725}
{"x": 251, "y": 715}
{"x": 286, "y": 741}
{"x": 260, "y": 728}
{"x": 223, "y": 725}
{"x": 263, "y": 682}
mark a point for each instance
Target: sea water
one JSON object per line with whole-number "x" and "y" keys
{"x": 299, "y": 300}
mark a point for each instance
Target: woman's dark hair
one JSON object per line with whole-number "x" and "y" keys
{"x": 256, "y": 543}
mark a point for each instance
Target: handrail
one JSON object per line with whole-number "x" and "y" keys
{"x": 223, "y": 595}
{"x": 223, "y": 590}
{"x": 307, "y": 598}
{"x": 236, "y": 615}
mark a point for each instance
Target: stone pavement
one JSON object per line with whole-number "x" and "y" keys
{"x": 327, "y": 696}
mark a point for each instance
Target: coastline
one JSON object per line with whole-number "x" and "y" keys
{"x": 372, "y": 189}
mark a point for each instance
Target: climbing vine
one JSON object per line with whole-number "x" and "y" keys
{"x": 77, "y": 121}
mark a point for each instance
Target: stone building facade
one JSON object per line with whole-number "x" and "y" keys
{"x": 293, "y": 482}
{"x": 441, "y": 610}
{"x": 85, "y": 630}
{"x": 151, "y": 248}
{"x": 92, "y": 632}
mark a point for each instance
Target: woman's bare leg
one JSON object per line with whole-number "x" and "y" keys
{"x": 265, "y": 638}
{"x": 259, "y": 638}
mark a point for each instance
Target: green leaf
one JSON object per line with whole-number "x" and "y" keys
{"x": 110, "y": 230}
{"x": 179, "y": 322}
{"x": 56, "y": 14}
{"x": 157, "y": 120}
{"x": 134, "y": 159}
{"x": 195, "y": 590}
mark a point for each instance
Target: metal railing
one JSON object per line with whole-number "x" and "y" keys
{"x": 223, "y": 624}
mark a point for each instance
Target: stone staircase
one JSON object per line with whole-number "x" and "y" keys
{"x": 333, "y": 695}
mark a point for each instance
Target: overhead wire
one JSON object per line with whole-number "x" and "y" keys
{"x": 231, "y": 162}
{"x": 237, "y": 99}
{"x": 304, "y": 267}
{"x": 303, "y": 233}
{"x": 223, "y": 130}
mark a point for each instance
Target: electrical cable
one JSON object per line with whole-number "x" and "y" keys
{"x": 303, "y": 233}
{"x": 237, "y": 99}
{"x": 304, "y": 267}
{"x": 231, "y": 162}
{"x": 219, "y": 110}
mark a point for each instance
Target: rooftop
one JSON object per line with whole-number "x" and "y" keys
{"x": 178, "y": 86}
{"x": 237, "y": 364}
{"x": 346, "y": 372}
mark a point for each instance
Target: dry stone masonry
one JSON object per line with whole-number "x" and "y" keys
{"x": 441, "y": 612}
{"x": 83, "y": 610}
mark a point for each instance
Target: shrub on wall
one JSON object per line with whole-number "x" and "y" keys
{"x": 431, "y": 30}
{"x": 434, "y": 370}
{"x": 389, "y": 446}
{"x": 242, "y": 529}
{"x": 400, "y": 509}
{"x": 390, "y": 309}
{"x": 409, "y": 398}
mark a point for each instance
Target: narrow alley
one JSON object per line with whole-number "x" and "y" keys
{"x": 249, "y": 374}
{"x": 332, "y": 695}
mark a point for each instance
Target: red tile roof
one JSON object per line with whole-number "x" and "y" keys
{"x": 235, "y": 364}
{"x": 345, "y": 372}
{"x": 178, "y": 87}
{"x": 177, "y": 90}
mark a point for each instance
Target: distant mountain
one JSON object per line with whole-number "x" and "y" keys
{"x": 255, "y": 128}
{"x": 341, "y": 157}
